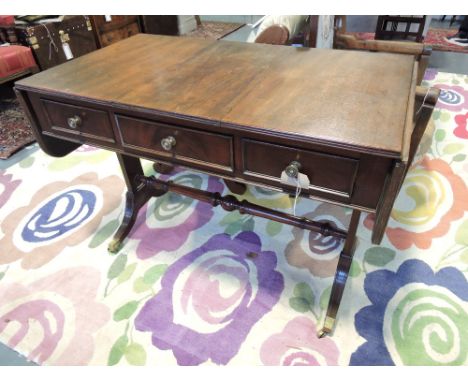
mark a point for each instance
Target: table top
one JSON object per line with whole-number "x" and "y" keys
{"x": 359, "y": 99}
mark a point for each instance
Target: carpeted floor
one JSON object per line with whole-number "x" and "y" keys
{"x": 185, "y": 289}
{"x": 15, "y": 131}
{"x": 434, "y": 37}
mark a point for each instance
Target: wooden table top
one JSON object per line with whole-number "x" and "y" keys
{"x": 356, "y": 99}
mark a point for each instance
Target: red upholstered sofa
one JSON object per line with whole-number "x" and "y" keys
{"x": 15, "y": 60}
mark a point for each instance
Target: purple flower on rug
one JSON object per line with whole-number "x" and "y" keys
{"x": 165, "y": 224}
{"x": 211, "y": 298}
{"x": 430, "y": 74}
{"x": 454, "y": 98}
{"x": 7, "y": 186}
{"x": 417, "y": 317}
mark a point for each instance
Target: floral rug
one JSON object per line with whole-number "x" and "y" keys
{"x": 195, "y": 285}
{"x": 15, "y": 131}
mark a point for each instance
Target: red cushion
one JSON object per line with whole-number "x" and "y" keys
{"x": 7, "y": 21}
{"x": 14, "y": 59}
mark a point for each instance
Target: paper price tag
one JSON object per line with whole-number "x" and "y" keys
{"x": 108, "y": 18}
{"x": 67, "y": 51}
{"x": 303, "y": 180}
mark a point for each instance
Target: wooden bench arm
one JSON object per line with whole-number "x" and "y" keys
{"x": 403, "y": 47}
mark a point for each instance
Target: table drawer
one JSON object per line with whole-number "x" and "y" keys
{"x": 177, "y": 144}
{"x": 330, "y": 175}
{"x": 86, "y": 123}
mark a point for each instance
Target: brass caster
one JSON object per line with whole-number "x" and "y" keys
{"x": 114, "y": 246}
{"x": 323, "y": 333}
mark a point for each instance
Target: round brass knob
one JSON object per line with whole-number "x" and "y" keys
{"x": 168, "y": 143}
{"x": 74, "y": 121}
{"x": 292, "y": 170}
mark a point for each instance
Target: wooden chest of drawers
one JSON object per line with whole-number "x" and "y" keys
{"x": 111, "y": 29}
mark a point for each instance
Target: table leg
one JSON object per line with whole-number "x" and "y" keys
{"x": 136, "y": 197}
{"x": 341, "y": 275}
{"x": 384, "y": 210}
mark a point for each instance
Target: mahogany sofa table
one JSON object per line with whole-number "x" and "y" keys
{"x": 243, "y": 112}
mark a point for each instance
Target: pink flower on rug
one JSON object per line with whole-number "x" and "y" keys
{"x": 453, "y": 98}
{"x": 461, "y": 130}
{"x": 59, "y": 215}
{"x": 431, "y": 198}
{"x": 54, "y": 318}
{"x": 7, "y": 186}
{"x": 298, "y": 345}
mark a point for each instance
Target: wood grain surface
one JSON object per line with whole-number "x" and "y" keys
{"x": 358, "y": 99}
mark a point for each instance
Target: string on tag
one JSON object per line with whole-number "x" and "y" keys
{"x": 51, "y": 42}
{"x": 298, "y": 192}
{"x": 424, "y": 100}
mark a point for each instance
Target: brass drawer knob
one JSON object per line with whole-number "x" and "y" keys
{"x": 168, "y": 143}
{"x": 292, "y": 170}
{"x": 74, "y": 122}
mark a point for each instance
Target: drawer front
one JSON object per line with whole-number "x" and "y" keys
{"x": 177, "y": 144}
{"x": 329, "y": 175}
{"x": 85, "y": 123}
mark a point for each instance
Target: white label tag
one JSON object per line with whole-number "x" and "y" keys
{"x": 67, "y": 51}
{"x": 303, "y": 179}
{"x": 108, "y": 18}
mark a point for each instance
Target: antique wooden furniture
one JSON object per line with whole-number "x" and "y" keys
{"x": 111, "y": 29}
{"x": 15, "y": 62}
{"x": 400, "y": 28}
{"x": 54, "y": 43}
{"x": 159, "y": 24}
{"x": 246, "y": 113}
{"x": 274, "y": 35}
{"x": 343, "y": 40}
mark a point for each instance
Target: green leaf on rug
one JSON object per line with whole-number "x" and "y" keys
{"x": 135, "y": 354}
{"x": 273, "y": 228}
{"x": 304, "y": 291}
{"x": 355, "y": 269}
{"x": 117, "y": 350}
{"x": 117, "y": 266}
{"x": 464, "y": 256}
{"x": 461, "y": 237}
{"x": 379, "y": 256}
{"x": 234, "y": 228}
{"x": 439, "y": 135}
{"x": 248, "y": 225}
{"x": 140, "y": 286}
{"x": 27, "y": 162}
{"x": 104, "y": 233}
{"x": 325, "y": 298}
{"x": 459, "y": 158}
{"x": 2, "y": 275}
{"x": 445, "y": 116}
{"x": 126, "y": 311}
{"x": 154, "y": 273}
{"x": 436, "y": 114}
{"x": 299, "y": 304}
{"x": 230, "y": 218}
{"x": 127, "y": 273}
{"x": 453, "y": 148}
